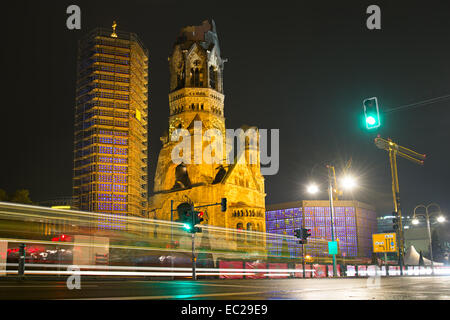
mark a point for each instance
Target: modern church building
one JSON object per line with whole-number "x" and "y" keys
{"x": 354, "y": 222}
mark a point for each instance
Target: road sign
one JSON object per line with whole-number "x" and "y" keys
{"x": 332, "y": 247}
{"x": 384, "y": 242}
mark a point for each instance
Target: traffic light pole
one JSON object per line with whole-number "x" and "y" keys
{"x": 186, "y": 211}
{"x": 194, "y": 275}
{"x": 395, "y": 150}
{"x": 303, "y": 245}
{"x": 396, "y": 198}
{"x": 171, "y": 237}
{"x": 303, "y": 260}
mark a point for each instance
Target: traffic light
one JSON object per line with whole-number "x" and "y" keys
{"x": 305, "y": 234}
{"x": 198, "y": 217}
{"x": 189, "y": 217}
{"x": 395, "y": 221}
{"x": 185, "y": 212}
{"x": 371, "y": 113}
{"x": 224, "y": 204}
{"x": 299, "y": 234}
{"x": 302, "y": 234}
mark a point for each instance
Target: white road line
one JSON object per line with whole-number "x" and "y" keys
{"x": 175, "y": 296}
{"x": 45, "y": 286}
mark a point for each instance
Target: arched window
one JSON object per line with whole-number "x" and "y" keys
{"x": 212, "y": 77}
{"x": 197, "y": 75}
{"x": 239, "y": 231}
{"x": 250, "y": 236}
{"x": 180, "y": 79}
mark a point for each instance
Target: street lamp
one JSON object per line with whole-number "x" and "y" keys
{"x": 312, "y": 188}
{"x": 348, "y": 183}
{"x": 427, "y": 215}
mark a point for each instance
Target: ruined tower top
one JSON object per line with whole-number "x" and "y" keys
{"x": 195, "y": 60}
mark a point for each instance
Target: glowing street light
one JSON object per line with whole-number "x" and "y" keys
{"x": 312, "y": 188}
{"x": 427, "y": 217}
{"x": 348, "y": 182}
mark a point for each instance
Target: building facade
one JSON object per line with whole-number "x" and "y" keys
{"x": 196, "y": 101}
{"x": 386, "y": 225}
{"x": 110, "y": 147}
{"x": 354, "y": 222}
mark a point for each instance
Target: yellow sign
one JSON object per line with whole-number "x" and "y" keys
{"x": 384, "y": 242}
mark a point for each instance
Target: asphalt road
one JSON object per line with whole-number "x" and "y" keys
{"x": 394, "y": 288}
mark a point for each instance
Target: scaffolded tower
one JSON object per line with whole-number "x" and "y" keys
{"x": 110, "y": 149}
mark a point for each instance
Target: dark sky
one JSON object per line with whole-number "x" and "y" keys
{"x": 303, "y": 67}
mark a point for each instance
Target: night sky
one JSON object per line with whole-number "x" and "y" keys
{"x": 301, "y": 67}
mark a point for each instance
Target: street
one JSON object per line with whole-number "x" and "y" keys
{"x": 394, "y": 288}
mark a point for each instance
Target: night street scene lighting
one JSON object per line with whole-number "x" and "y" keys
{"x": 201, "y": 150}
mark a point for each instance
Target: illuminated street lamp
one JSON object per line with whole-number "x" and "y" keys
{"x": 415, "y": 221}
{"x": 348, "y": 183}
{"x": 312, "y": 188}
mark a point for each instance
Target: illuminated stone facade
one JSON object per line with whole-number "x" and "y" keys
{"x": 196, "y": 94}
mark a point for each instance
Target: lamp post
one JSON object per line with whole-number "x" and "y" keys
{"x": 330, "y": 195}
{"x": 427, "y": 217}
{"x": 348, "y": 183}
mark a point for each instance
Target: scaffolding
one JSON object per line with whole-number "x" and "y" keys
{"x": 110, "y": 147}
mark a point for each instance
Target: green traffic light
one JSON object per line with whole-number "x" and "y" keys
{"x": 186, "y": 226}
{"x": 371, "y": 113}
{"x": 371, "y": 120}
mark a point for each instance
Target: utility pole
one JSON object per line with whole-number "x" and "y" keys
{"x": 395, "y": 150}
{"x": 171, "y": 238}
{"x": 303, "y": 245}
{"x": 330, "y": 187}
{"x": 194, "y": 275}
{"x": 21, "y": 268}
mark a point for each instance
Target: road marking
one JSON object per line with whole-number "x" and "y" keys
{"x": 175, "y": 296}
{"x": 209, "y": 284}
{"x": 44, "y": 286}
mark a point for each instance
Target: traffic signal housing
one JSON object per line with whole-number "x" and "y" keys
{"x": 302, "y": 234}
{"x": 305, "y": 234}
{"x": 371, "y": 113}
{"x": 395, "y": 221}
{"x": 223, "y": 204}
{"x": 189, "y": 217}
{"x": 198, "y": 218}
